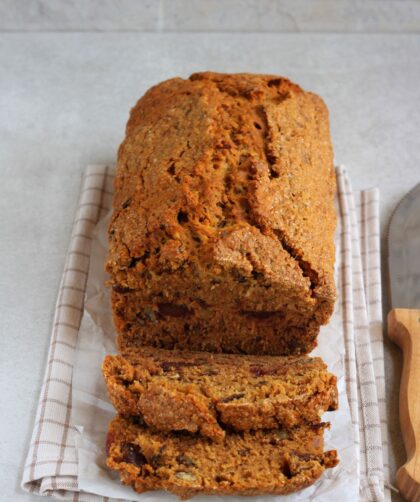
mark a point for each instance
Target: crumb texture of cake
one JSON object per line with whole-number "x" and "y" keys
{"x": 221, "y": 237}
{"x": 264, "y": 462}
{"x": 208, "y": 393}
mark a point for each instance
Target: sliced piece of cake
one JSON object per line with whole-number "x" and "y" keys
{"x": 208, "y": 393}
{"x": 244, "y": 463}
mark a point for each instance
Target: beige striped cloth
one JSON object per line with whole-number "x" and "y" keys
{"x": 360, "y": 288}
{"x": 51, "y": 464}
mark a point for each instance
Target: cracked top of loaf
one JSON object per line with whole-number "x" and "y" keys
{"x": 230, "y": 173}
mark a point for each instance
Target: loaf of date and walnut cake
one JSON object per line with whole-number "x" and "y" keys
{"x": 208, "y": 393}
{"x": 244, "y": 463}
{"x": 221, "y": 237}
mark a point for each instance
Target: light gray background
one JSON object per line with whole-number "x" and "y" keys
{"x": 373, "y": 16}
{"x": 64, "y": 101}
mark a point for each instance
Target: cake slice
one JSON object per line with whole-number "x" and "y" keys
{"x": 244, "y": 463}
{"x": 208, "y": 393}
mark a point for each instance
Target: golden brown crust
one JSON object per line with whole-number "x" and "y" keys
{"x": 265, "y": 462}
{"x": 224, "y": 189}
{"x": 209, "y": 393}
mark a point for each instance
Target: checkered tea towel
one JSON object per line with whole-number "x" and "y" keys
{"x": 51, "y": 464}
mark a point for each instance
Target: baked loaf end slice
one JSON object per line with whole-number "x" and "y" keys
{"x": 208, "y": 393}
{"x": 221, "y": 237}
{"x": 264, "y": 462}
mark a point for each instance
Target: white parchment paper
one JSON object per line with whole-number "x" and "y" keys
{"x": 92, "y": 412}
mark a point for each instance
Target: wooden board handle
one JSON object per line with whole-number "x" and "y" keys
{"x": 404, "y": 330}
